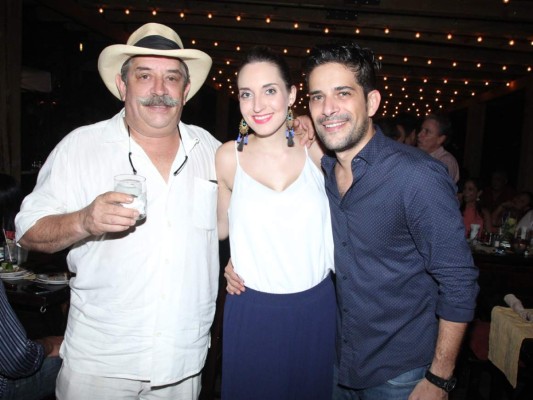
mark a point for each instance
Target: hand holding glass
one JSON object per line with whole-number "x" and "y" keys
{"x": 134, "y": 185}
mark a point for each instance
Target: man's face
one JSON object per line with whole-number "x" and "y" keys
{"x": 429, "y": 137}
{"x": 470, "y": 192}
{"x": 337, "y": 104}
{"x": 154, "y": 94}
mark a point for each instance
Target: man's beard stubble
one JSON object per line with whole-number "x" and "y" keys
{"x": 354, "y": 137}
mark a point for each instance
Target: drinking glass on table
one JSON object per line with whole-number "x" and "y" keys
{"x": 474, "y": 230}
{"x": 134, "y": 185}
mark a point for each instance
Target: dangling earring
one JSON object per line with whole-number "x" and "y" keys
{"x": 289, "y": 133}
{"x": 242, "y": 139}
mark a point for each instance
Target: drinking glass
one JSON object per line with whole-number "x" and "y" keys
{"x": 134, "y": 185}
{"x": 474, "y": 230}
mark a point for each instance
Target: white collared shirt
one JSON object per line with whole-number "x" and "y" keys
{"x": 142, "y": 303}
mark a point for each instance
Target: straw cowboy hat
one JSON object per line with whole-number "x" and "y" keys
{"x": 153, "y": 40}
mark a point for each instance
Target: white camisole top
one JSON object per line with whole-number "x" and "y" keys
{"x": 281, "y": 242}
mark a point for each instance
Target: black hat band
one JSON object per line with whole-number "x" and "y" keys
{"x": 157, "y": 42}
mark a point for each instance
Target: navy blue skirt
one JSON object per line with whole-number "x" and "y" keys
{"x": 279, "y": 346}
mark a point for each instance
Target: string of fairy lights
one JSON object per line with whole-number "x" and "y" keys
{"x": 400, "y": 93}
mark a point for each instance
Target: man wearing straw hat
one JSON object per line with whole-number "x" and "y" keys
{"x": 143, "y": 292}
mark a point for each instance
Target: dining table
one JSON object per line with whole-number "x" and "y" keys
{"x": 502, "y": 272}
{"x": 510, "y": 348}
{"x": 40, "y": 294}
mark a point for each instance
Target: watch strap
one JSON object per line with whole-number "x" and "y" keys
{"x": 446, "y": 384}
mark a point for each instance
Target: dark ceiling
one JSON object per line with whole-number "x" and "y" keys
{"x": 435, "y": 54}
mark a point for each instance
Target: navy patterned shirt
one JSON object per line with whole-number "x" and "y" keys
{"x": 19, "y": 356}
{"x": 401, "y": 261}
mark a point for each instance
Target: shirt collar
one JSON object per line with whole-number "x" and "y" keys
{"x": 439, "y": 152}
{"x": 369, "y": 153}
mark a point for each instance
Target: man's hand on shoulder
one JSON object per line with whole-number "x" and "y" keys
{"x": 304, "y": 130}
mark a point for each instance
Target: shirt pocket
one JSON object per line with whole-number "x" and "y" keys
{"x": 205, "y": 204}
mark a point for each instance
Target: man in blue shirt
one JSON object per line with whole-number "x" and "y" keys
{"x": 406, "y": 283}
{"x": 28, "y": 369}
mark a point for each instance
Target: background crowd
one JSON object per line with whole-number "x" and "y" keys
{"x": 493, "y": 205}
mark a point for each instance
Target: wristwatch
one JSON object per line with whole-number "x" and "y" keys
{"x": 446, "y": 384}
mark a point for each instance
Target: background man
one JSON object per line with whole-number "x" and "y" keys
{"x": 435, "y": 131}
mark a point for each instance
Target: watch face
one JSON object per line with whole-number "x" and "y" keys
{"x": 450, "y": 385}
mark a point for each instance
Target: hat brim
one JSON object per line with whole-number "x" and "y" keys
{"x": 113, "y": 57}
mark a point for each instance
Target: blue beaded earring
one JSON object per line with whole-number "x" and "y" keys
{"x": 242, "y": 139}
{"x": 289, "y": 133}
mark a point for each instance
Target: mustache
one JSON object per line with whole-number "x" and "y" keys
{"x": 155, "y": 100}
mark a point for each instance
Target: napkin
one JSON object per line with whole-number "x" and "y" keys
{"x": 512, "y": 301}
{"x": 507, "y": 332}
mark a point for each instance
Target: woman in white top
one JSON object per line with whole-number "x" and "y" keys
{"x": 278, "y": 339}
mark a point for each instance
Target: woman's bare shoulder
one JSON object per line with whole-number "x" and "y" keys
{"x": 226, "y": 149}
{"x": 225, "y": 158}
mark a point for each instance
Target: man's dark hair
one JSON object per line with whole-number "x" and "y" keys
{"x": 445, "y": 125}
{"x": 361, "y": 61}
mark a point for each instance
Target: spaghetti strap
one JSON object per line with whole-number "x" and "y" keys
{"x": 237, "y": 154}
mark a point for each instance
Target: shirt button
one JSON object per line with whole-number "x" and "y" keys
{"x": 345, "y": 309}
{"x": 344, "y": 277}
{"x": 158, "y": 334}
{"x": 344, "y": 244}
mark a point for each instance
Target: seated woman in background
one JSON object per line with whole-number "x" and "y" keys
{"x": 513, "y": 209}
{"x": 471, "y": 208}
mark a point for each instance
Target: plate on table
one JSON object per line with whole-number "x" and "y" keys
{"x": 13, "y": 273}
{"x": 60, "y": 278}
